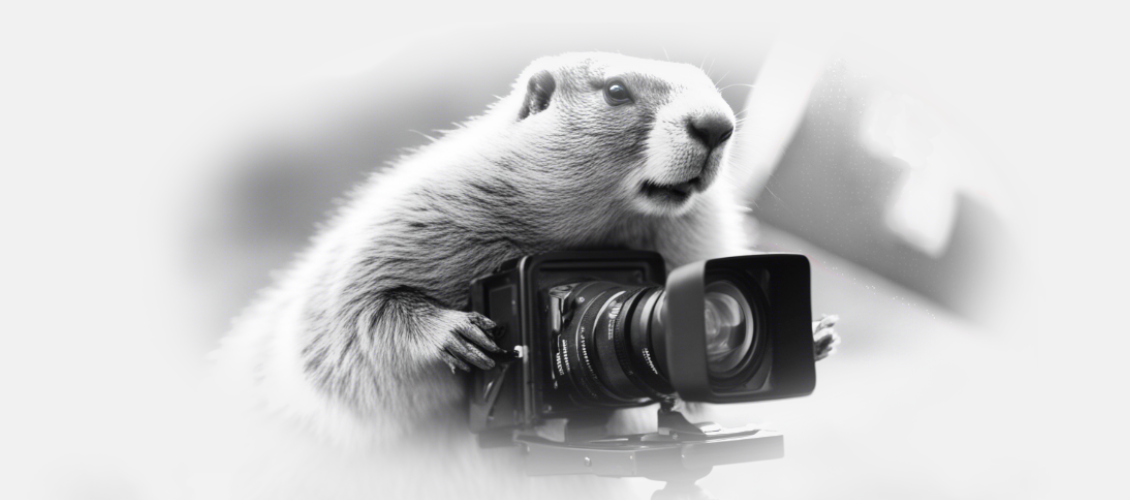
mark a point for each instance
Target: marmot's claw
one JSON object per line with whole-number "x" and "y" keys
{"x": 463, "y": 344}
{"x": 824, "y": 336}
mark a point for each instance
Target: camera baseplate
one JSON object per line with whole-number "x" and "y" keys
{"x": 678, "y": 451}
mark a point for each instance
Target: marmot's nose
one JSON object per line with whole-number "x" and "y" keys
{"x": 711, "y": 129}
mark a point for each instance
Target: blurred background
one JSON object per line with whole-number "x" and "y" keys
{"x": 956, "y": 181}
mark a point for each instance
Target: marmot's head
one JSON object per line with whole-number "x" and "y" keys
{"x": 649, "y": 135}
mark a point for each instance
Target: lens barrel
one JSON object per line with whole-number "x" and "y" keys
{"x": 596, "y": 355}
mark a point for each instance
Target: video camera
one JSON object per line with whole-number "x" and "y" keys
{"x": 592, "y": 332}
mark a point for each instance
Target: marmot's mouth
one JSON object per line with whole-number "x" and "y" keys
{"x": 671, "y": 193}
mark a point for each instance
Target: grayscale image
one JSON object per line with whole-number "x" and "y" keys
{"x": 363, "y": 251}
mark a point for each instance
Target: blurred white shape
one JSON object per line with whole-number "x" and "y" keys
{"x": 923, "y": 208}
{"x": 922, "y": 211}
{"x": 941, "y": 161}
{"x": 776, "y": 106}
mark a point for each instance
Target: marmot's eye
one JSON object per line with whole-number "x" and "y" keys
{"x": 616, "y": 93}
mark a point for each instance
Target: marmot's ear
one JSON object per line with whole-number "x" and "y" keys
{"x": 538, "y": 92}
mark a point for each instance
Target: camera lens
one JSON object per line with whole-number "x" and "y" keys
{"x": 730, "y": 328}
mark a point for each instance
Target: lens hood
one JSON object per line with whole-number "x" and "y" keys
{"x": 780, "y": 283}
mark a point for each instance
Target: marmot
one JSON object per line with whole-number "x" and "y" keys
{"x": 360, "y": 340}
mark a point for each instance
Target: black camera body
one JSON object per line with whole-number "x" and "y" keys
{"x": 596, "y": 331}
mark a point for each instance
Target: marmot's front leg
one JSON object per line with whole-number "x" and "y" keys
{"x": 381, "y": 351}
{"x": 457, "y": 338}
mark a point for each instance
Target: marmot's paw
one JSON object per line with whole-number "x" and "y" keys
{"x": 461, "y": 340}
{"x": 824, "y": 336}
